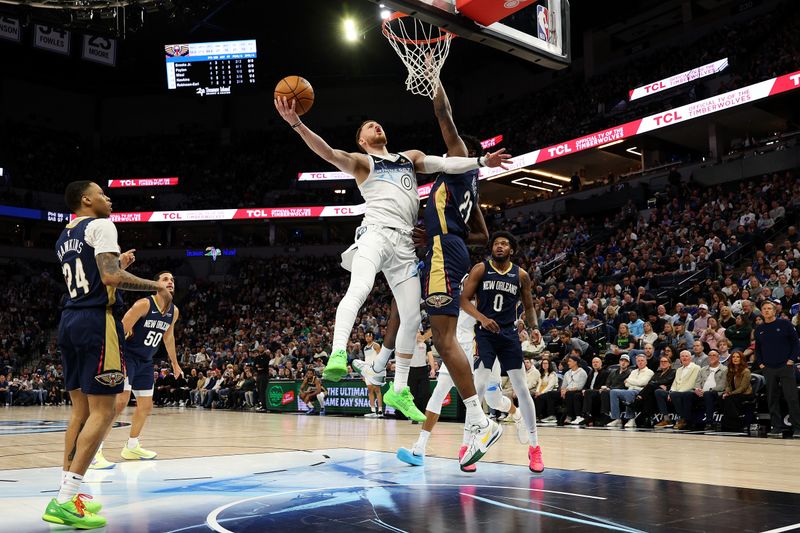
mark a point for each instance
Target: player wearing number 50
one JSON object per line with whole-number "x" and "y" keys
{"x": 149, "y": 321}
{"x": 89, "y": 337}
{"x": 388, "y": 183}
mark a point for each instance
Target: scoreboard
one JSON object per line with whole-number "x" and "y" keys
{"x": 211, "y": 68}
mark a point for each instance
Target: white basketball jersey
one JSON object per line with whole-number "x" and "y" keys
{"x": 390, "y": 192}
{"x": 465, "y": 328}
{"x": 370, "y": 354}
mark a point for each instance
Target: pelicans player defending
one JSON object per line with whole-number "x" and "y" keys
{"x": 499, "y": 285}
{"x": 383, "y": 244}
{"x": 149, "y": 321}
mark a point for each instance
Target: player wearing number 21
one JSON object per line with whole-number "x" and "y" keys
{"x": 89, "y": 338}
{"x": 388, "y": 183}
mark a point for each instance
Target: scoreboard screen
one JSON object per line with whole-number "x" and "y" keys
{"x": 211, "y": 68}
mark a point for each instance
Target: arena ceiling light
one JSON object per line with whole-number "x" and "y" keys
{"x": 350, "y": 30}
{"x": 550, "y": 175}
{"x": 612, "y": 143}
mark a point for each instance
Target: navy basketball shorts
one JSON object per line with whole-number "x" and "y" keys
{"x": 139, "y": 375}
{"x": 504, "y": 347}
{"x": 89, "y": 340}
{"x": 446, "y": 266}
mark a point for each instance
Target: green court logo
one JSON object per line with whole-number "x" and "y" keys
{"x": 275, "y": 395}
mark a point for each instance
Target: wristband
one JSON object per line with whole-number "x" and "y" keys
{"x": 297, "y": 124}
{"x": 481, "y": 161}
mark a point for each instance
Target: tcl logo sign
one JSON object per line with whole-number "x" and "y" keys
{"x": 795, "y": 79}
{"x": 128, "y": 183}
{"x": 667, "y": 118}
{"x": 559, "y": 150}
{"x": 259, "y": 213}
{"x": 657, "y": 86}
{"x": 343, "y": 211}
{"x": 171, "y": 216}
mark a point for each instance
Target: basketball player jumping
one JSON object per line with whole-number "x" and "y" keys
{"x": 453, "y": 219}
{"x": 89, "y": 339}
{"x": 149, "y": 321}
{"x": 499, "y": 285}
{"x": 383, "y": 243}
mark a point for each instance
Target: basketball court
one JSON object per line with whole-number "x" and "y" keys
{"x": 244, "y": 472}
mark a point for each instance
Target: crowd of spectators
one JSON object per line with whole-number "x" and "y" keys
{"x": 611, "y": 295}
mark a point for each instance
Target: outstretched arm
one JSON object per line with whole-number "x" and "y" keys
{"x": 351, "y": 163}
{"x": 113, "y": 276}
{"x": 430, "y": 164}
{"x": 444, "y": 114}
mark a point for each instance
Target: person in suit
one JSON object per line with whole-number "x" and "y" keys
{"x": 590, "y": 395}
{"x": 646, "y": 399}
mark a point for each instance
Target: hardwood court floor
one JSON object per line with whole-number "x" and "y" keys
{"x": 753, "y": 463}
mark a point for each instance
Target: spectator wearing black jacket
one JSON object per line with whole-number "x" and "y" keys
{"x": 616, "y": 380}
{"x": 590, "y": 395}
{"x": 262, "y": 379}
{"x": 645, "y": 401}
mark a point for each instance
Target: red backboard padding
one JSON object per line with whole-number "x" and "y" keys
{"x": 488, "y": 12}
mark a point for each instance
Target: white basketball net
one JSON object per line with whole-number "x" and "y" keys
{"x": 423, "y": 49}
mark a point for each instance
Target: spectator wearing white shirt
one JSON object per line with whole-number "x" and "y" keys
{"x": 635, "y": 382}
{"x": 534, "y": 346}
{"x": 685, "y": 379}
{"x": 572, "y": 385}
{"x": 710, "y": 385}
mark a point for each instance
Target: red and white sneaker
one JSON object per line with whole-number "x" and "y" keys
{"x": 535, "y": 455}
{"x": 470, "y": 468}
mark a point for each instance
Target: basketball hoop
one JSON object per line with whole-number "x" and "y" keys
{"x": 422, "y": 47}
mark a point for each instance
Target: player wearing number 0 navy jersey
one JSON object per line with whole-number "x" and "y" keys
{"x": 499, "y": 285}
{"x": 148, "y": 323}
{"x": 89, "y": 338}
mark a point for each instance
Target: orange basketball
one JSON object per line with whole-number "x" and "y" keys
{"x": 298, "y": 89}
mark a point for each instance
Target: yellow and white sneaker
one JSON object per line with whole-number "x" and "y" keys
{"x": 481, "y": 440}
{"x": 137, "y": 454}
{"x": 99, "y": 462}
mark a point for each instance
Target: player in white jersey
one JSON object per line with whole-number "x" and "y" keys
{"x": 388, "y": 184}
{"x": 374, "y": 395}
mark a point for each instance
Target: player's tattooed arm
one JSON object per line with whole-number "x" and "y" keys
{"x": 113, "y": 275}
{"x": 444, "y": 115}
{"x": 527, "y": 300}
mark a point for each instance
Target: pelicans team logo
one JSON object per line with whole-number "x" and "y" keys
{"x": 438, "y": 301}
{"x": 176, "y": 50}
{"x": 111, "y": 378}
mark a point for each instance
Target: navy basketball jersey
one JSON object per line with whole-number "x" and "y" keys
{"x": 499, "y": 293}
{"x": 84, "y": 283}
{"x": 149, "y": 331}
{"x": 450, "y": 204}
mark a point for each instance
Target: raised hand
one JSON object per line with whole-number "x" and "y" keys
{"x": 497, "y": 159}
{"x": 286, "y": 110}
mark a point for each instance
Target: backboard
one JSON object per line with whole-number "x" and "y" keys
{"x": 539, "y": 32}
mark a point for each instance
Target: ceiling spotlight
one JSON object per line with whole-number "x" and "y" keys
{"x": 385, "y": 14}
{"x": 350, "y": 30}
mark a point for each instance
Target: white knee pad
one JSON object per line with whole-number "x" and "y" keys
{"x": 443, "y": 386}
{"x": 495, "y": 398}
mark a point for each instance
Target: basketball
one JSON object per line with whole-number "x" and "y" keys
{"x": 296, "y": 88}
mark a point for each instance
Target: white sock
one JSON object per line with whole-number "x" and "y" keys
{"x": 475, "y": 415}
{"x": 321, "y": 400}
{"x": 379, "y": 364}
{"x": 61, "y": 481}
{"x": 372, "y": 408}
{"x": 422, "y": 441}
{"x": 69, "y": 487}
{"x": 401, "y": 369}
{"x": 467, "y": 436}
{"x": 133, "y": 442}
